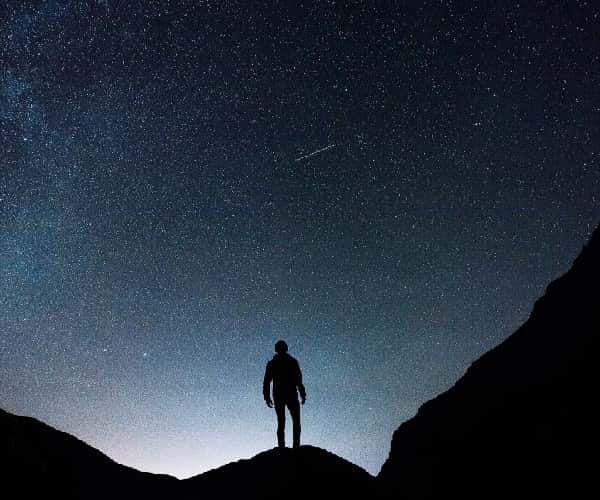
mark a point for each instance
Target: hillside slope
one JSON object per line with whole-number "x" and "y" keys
{"x": 38, "y": 461}
{"x": 522, "y": 420}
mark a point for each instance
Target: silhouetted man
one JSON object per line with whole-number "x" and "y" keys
{"x": 285, "y": 373}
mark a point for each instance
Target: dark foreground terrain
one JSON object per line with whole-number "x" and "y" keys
{"x": 521, "y": 423}
{"x": 522, "y": 420}
{"x": 41, "y": 462}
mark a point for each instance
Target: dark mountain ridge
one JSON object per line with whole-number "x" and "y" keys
{"x": 40, "y": 461}
{"x": 523, "y": 417}
{"x": 521, "y": 422}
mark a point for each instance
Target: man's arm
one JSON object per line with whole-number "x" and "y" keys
{"x": 267, "y": 385}
{"x": 301, "y": 388}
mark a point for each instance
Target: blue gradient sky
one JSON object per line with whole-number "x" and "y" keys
{"x": 157, "y": 235}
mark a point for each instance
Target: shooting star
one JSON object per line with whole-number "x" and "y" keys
{"x": 316, "y": 152}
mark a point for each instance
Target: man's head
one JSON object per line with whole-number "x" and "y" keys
{"x": 281, "y": 347}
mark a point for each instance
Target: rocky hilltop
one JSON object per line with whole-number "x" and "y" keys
{"x": 39, "y": 461}
{"x": 306, "y": 472}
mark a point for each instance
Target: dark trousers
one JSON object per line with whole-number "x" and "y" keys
{"x": 294, "y": 407}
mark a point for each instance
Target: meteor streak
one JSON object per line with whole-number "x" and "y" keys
{"x": 315, "y": 152}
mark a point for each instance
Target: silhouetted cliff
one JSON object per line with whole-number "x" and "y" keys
{"x": 520, "y": 423}
{"x": 522, "y": 420}
{"x": 38, "y": 461}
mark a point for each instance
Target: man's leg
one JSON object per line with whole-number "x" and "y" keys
{"x": 280, "y": 410}
{"x": 294, "y": 407}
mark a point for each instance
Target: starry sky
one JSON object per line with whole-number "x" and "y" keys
{"x": 386, "y": 185}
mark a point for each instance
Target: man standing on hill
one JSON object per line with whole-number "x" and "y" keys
{"x": 285, "y": 373}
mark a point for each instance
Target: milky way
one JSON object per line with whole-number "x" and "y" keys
{"x": 157, "y": 236}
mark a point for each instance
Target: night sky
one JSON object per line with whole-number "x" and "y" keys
{"x": 388, "y": 186}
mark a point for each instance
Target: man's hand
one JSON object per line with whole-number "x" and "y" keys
{"x": 303, "y": 399}
{"x": 269, "y": 403}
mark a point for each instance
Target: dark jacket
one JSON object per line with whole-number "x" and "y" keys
{"x": 285, "y": 373}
